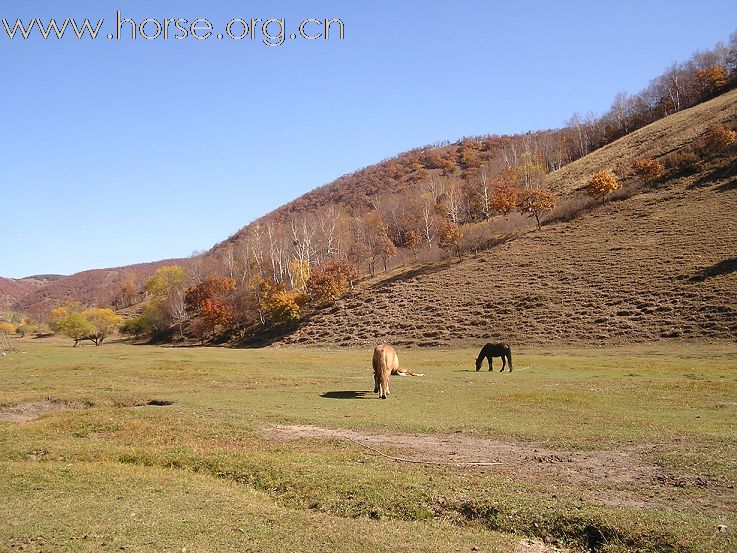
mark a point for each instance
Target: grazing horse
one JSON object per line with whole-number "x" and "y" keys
{"x": 385, "y": 361}
{"x": 495, "y": 350}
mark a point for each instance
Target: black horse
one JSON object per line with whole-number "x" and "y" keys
{"x": 495, "y": 350}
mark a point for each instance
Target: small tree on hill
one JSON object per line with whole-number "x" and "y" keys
{"x": 386, "y": 249}
{"x": 536, "y": 202}
{"x": 412, "y": 240}
{"x": 503, "y": 197}
{"x": 718, "y": 138}
{"x": 648, "y": 170}
{"x": 450, "y": 236}
{"x": 712, "y": 79}
{"x": 602, "y": 184}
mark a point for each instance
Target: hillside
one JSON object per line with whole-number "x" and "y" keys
{"x": 654, "y": 141}
{"x": 97, "y": 286}
{"x": 660, "y": 264}
{"x": 13, "y": 290}
{"x": 408, "y": 173}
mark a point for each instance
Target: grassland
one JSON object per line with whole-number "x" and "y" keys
{"x": 287, "y": 449}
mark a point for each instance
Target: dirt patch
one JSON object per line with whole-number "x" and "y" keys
{"x": 31, "y": 410}
{"x": 620, "y": 477}
{"x": 613, "y": 466}
{"x": 535, "y": 546}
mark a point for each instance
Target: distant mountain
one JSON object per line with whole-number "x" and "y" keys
{"x": 38, "y": 294}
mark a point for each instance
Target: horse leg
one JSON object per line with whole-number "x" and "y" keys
{"x": 504, "y": 364}
{"x": 384, "y": 388}
{"x": 376, "y": 383}
{"x": 491, "y": 363}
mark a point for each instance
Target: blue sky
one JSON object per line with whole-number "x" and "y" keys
{"x": 117, "y": 152}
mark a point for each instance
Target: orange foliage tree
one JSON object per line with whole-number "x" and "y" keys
{"x": 712, "y": 79}
{"x": 601, "y": 185}
{"x": 503, "y": 197}
{"x": 386, "y": 249}
{"x": 207, "y": 300}
{"x": 331, "y": 280}
{"x": 718, "y": 138}
{"x": 536, "y": 202}
{"x": 450, "y": 236}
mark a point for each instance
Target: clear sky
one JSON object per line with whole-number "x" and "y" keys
{"x": 122, "y": 151}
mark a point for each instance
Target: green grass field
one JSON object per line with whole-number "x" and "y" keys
{"x": 606, "y": 449}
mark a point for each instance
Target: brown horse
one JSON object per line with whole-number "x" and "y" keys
{"x": 386, "y": 363}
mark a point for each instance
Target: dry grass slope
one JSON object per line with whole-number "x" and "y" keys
{"x": 653, "y": 141}
{"x": 660, "y": 264}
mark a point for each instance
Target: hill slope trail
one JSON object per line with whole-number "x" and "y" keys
{"x": 661, "y": 264}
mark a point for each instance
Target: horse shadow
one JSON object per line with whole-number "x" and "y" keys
{"x": 347, "y": 394}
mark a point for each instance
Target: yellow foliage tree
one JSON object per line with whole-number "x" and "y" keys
{"x": 601, "y": 185}
{"x": 104, "y": 322}
{"x": 285, "y": 306}
{"x": 300, "y": 270}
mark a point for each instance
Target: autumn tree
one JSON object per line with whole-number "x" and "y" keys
{"x": 412, "y": 240}
{"x": 648, "y": 170}
{"x": 166, "y": 288}
{"x": 7, "y": 327}
{"x": 104, "y": 322}
{"x": 711, "y": 79}
{"x": 718, "y": 138}
{"x": 450, "y": 236}
{"x": 331, "y": 280}
{"x": 386, "y": 249}
{"x": 504, "y": 192}
{"x": 75, "y": 326}
{"x": 285, "y": 306}
{"x": 601, "y": 185}
{"x": 208, "y": 301}
{"x": 536, "y": 202}
{"x": 358, "y": 252}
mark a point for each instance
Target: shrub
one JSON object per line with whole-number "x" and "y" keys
{"x": 648, "y": 170}
{"x": 682, "y": 161}
{"x": 717, "y": 139}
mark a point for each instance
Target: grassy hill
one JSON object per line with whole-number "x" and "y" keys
{"x": 658, "y": 264}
